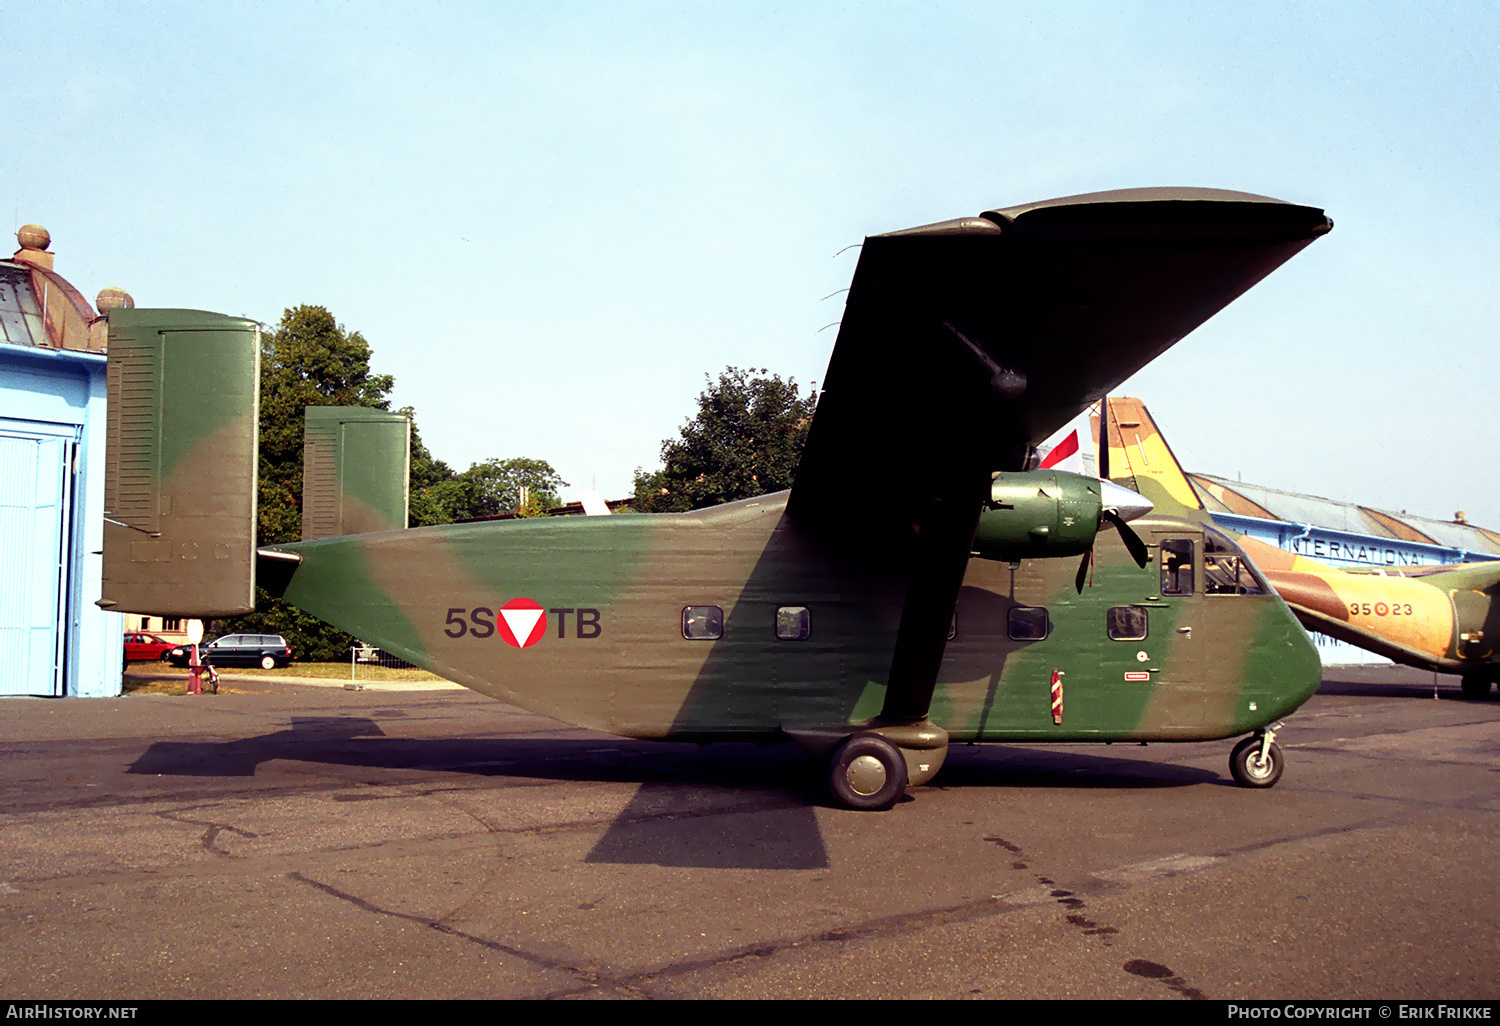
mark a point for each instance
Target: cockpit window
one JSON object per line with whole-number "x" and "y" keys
{"x": 1176, "y": 566}
{"x": 1226, "y": 571}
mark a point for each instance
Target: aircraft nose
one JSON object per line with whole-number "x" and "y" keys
{"x": 1129, "y": 505}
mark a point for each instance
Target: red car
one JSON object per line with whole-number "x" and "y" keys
{"x": 139, "y": 646}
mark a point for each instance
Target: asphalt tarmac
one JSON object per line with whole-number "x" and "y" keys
{"x": 316, "y": 842}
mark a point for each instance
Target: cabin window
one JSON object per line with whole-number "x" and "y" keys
{"x": 1224, "y": 571}
{"x": 793, "y": 623}
{"x": 1029, "y": 623}
{"x": 1177, "y": 566}
{"x": 1126, "y": 623}
{"x": 702, "y": 623}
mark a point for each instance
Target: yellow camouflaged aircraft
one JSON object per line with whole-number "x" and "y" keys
{"x": 915, "y": 587}
{"x": 1440, "y": 618}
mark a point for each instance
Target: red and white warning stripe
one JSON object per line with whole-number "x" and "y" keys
{"x": 1057, "y": 705}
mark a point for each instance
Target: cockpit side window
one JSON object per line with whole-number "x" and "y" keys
{"x": 1177, "y": 566}
{"x": 1225, "y": 569}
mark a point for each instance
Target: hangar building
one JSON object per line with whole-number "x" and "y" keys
{"x": 53, "y": 639}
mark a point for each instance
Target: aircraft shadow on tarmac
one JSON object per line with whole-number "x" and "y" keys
{"x": 720, "y": 806}
{"x": 1447, "y": 688}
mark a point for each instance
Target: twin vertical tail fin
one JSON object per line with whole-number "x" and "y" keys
{"x": 181, "y": 465}
{"x": 355, "y": 471}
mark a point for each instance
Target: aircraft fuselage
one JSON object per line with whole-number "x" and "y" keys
{"x": 734, "y": 623}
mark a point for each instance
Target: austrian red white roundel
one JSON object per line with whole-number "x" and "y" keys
{"x": 522, "y": 623}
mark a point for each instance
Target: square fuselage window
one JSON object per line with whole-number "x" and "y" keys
{"x": 1126, "y": 623}
{"x": 793, "y": 623}
{"x": 1028, "y": 623}
{"x": 702, "y": 623}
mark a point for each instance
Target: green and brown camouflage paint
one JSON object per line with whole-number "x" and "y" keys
{"x": 963, "y": 344}
{"x": 613, "y": 655}
{"x": 184, "y": 397}
{"x": 355, "y": 471}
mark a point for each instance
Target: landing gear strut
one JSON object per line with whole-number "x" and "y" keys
{"x": 1256, "y": 761}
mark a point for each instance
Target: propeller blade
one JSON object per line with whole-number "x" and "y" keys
{"x": 1083, "y": 571}
{"x": 1133, "y": 543}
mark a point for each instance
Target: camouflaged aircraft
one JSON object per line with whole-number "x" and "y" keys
{"x": 1440, "y": 618}
{"x": 915, "y": 587}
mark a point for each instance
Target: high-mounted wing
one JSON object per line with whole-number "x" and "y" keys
{"x": 965, "y": 342}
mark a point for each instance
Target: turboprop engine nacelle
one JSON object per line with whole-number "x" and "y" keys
{"x": 1042, "y": 513}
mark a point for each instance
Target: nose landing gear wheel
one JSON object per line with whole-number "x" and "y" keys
{"x": 868, "y": 773}
{"x": 1248, "y": 766}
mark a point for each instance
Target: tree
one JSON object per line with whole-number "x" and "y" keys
{"x": 493, "y": 487}
{"x": 312, "y": 360}
{"x": 308, "y": 360}
{"x": 429, "y": 476}
{"x": 746, "y": 440}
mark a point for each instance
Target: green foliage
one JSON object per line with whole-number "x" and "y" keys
{"x": 311, "y": 639}
{"x": 308, "y": 360}
{"x": 429, "y": 476}
{"x": 746, "y": 440}
{"x": 312, "y": 360}
{"x": 493, "y": 487}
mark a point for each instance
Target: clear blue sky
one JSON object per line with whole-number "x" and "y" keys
{"x": 552, "y": 220}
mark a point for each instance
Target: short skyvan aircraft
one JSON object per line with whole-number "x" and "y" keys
{"x": 916, "y": 586}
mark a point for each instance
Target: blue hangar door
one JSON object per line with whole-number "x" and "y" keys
{"x": 35, "y": 540}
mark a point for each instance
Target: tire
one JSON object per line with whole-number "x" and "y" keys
{"x": 1246, "y": 766}
{"x": 267, "y": 663}
{"x": 867, "y": 773}
{"x": 1476, "y": 686}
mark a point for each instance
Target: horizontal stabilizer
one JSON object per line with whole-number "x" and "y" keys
{"x": 184, "y": 396}
{"x": 355, "y": 471}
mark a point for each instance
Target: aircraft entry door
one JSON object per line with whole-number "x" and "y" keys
{"x": 1177, "y": 648}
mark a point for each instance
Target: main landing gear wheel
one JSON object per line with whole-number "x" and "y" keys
{"x": 1248, "y": 766}
{"x": 868, "y": 773}
{"x": 1476, "y": 686}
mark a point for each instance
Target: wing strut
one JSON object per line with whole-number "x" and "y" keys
{"x": 944, "y": 540}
